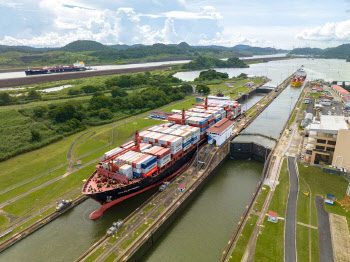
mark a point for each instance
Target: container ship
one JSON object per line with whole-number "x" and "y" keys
{"x": 299, "y": 78}
{"x": 78, "y": 66}
{"x": 157, "y": 154}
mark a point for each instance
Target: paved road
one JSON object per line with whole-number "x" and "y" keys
{"x": 324, "y": 232}
{"x": 290, "y": 249}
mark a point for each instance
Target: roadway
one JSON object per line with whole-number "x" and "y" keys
{"x": 324, "y": 232}
{"x": 290, "y": 248}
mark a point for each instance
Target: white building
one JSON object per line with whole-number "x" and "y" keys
{"x": 220, "y": 132}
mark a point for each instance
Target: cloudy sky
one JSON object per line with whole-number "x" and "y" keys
{"x": 277, "y": 23}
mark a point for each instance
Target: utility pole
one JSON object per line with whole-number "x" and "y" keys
{"x": 197, "y": 159}
{"x": 290, "y": 107}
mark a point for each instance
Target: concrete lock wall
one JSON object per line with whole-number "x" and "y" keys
{"x": 260, "y": 90}
{"x": 221, "y": 155}
{"x": 246, "y": 150}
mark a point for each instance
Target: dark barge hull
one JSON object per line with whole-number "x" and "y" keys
{"x": 53, "y": 71}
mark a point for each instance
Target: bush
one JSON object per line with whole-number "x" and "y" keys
{"x": 203, "y": 89}
{"x": 73, "y": 92}
{"x": 36, "y": 137}
{"x": 105, "y": 113}
{"x": 33, "y": 95}
{"x": 5, "y": 99}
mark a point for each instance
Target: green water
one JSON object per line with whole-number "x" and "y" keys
{"x": 202, "y": 231}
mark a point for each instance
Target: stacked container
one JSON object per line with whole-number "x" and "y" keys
{"x": 144, "y": 147}
{"x": 128, "y": 144}
{"x": 127, "y": 158}
{"x": 144, "y": 166}
{"x": 195, "y": 133}
{"x": 112, "y": 152}
{"x": 126, "y": 170}
{"x": 186, "y": 138}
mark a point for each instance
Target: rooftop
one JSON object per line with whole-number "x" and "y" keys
{"x": 220, "y": 126}
{"x": 272, "y": 214}
{"x": 346, "y": 98}
{"x": 340, "y": 90}
{"x": 329, "y": 124}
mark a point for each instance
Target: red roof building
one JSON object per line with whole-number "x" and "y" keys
{"x": 340, "y": 91}
{"x": 273, "y": 217}
{"x": 220, "y": 132}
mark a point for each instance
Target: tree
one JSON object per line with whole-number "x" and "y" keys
{"x": 117, "y": 91}
{"x": 203, "y": 89}
{"x": 74, "y": 123}
{"x": 105, "y": 113}
{"x": 65, "y": 112}
{"x": 36, "y": 137}
{"x": 100, "y": 101}
{"x": 186, "y": 89}
{"x": 33, "y": 95}
{"x": 73, "y": 92}
{"x": 5, "y": 99}
{"x": 40, "y": 111}
{"x": 90, "y": 89}
{"x": 242, "y": 76}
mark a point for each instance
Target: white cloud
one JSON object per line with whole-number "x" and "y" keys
{"x": 329, "y": 32}
{"x": 224, "y": 40}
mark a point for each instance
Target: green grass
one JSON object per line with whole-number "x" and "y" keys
{"x": 30, "y": 203}
{"x": 148, "y": 208}
{"x": 179, "y": 106}
{"x": 322, "y": 183}
{"x": 315, "y": 95}
{"x": 111, "y": 257}
{"x": 15, "y": 133}
{"x": 139, "y": 231}
{"x": 243, "y": 240}
{"x": 158, "y": 211}
{"x": 95, "y": 255}
{"x": 271, "y": 240}
{"x": 315, "y": 253}
{"x": 302, "y": 243}
{"x": 279, "y": 200}
{"x": 261, "y": 198}
{"x": 270, "y": 243}
{"x": 293, "y": 117}
{"x": 303, "y": 208}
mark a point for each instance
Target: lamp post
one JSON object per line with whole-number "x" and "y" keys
{"x": 290, "y": 106}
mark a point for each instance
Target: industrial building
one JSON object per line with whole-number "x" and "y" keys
{"x": 323, "y": 138}
{"x": 341, "y": 156}
{"x": 220, "y": 132}
{"x": 341, "y": 92}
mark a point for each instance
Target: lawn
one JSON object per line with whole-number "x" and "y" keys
{"x": 293, "y": 117}
{"x": 111, "y": 257}
{"x": 158, "y": 211}
{"x": 95, "y": 255}
{"x": 139, "y": 231}
{"x": 36, "y": 200}
{"x": 270, "y": 243}
{"x": 302, "y": 243}
{"x": 322, "y": 183}
{"x": 279, "y": 200}
{"x": 261, "y": 198}
{"x": 148, "y": 208}
{"x": 15, "y": 133}
{"x": 303, "y": 208}
{"x": 315, "y": 254}
{"x": 243, "y": 240}
{"x": 315, "y": 95}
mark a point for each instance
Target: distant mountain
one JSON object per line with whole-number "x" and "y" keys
{"x": 83, "y": 46}
{"x": 257, "y": 50}
{"x": 23, "y": 49}
{"x": 306, "y": 51}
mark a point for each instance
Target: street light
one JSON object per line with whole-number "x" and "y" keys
{"x": 290, "y": 107}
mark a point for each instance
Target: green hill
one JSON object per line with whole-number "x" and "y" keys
{"x": 83, "y": 46}
{"x": 207, "y": 62}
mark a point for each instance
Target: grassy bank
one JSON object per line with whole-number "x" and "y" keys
{"x": 243, "y": 240}
{"x": 270, "y": 241}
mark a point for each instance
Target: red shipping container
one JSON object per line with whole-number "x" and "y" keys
{"x": 162, "y": 153}
{"x": 135, "y": 162}
{"x": 150, "y": 172}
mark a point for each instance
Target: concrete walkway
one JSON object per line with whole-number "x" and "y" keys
{"x": 324, "y": 232}
{"x": 290, "y": 248}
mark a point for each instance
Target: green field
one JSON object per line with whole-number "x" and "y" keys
{"x": 270, "y": 241}
{"x": 95, "y": 255}
{"x": 270, "y": 244}
{"x": 259, "y": 203}
{"x": 243, "y": 240}
{"x": 139, "y": 231}
{"x": 322, "y": 183}
{"x": 111, "y": 257}
{"x": 15, "y": 131}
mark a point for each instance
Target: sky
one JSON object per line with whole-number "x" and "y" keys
{"x": 279, "y": 24}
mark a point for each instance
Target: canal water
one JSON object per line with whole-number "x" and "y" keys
{"x": 203, "y": 229}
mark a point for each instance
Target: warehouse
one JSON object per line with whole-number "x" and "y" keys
{"x": 220, "y": 132}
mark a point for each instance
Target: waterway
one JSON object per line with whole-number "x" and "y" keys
{"x": 71, "y": 234}
{"x": 10, "y": 75}
{"x": 202, "y": 231}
